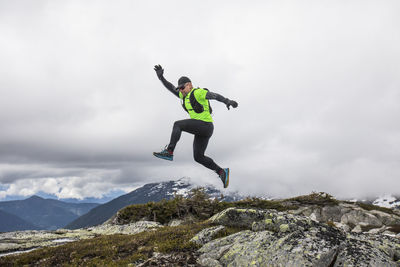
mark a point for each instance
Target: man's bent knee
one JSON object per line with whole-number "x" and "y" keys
{"x": 176, "y": 124}
{"x": 198, "y": 158}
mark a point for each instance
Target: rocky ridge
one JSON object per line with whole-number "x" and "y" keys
{"x": 276, "y": 238}
{"x": 314, "y": 230}
{"x": 352, "y": 217}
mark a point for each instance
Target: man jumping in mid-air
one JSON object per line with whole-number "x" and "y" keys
{"x": 196, "y": 103}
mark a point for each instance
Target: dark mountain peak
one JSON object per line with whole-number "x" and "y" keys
{"x": 35, "y": 197}
{"x": 44, "y": 213}
{"x": 149, "y": 192}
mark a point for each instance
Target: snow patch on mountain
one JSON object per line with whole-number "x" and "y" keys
{"x": 184, "y": 185}
{"x": 387, "y": 201}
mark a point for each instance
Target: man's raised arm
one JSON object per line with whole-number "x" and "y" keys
{"x": 160, "y": 74}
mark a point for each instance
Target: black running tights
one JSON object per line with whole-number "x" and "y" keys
{"x": 202, "y": 132}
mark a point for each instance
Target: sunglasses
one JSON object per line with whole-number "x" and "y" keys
{"x": 181, "y": 87}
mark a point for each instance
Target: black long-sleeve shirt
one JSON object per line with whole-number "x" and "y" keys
{"x": 209, "y": 95}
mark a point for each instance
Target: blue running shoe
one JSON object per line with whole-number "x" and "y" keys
{"x": 165, "y": 154}
{"x": 224, "y": 175}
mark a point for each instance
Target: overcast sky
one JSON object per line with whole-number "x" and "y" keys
{"x": 317, "y": 82}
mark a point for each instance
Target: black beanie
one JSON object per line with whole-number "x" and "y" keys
{"x": 182, "y": 80}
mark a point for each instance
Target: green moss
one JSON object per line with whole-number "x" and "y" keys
{"x": 262, "y": 204}
{"x": 284, "y": 228}
{"x": 320, "y": 199}
{"x": 268, "y": 221}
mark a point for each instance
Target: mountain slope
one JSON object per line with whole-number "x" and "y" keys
{"x": 46, "y": 213}
{"x": 10, "y": 222}
{"x": 149, "y": 192}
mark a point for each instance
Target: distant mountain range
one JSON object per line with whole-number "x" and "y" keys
{"x": 36, "y": 213}
{"x": 10, "y": 222}
{"x": 105, "y": 198}
{"x": 149, "y": 192}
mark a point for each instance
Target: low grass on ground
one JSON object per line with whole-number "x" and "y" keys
{"x": 116, "y": 250}
{"x": 198, "y": 205}
{"x": 320, "y": 199}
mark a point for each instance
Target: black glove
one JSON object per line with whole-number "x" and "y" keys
{"x": 159, "y": 70}
{"x": 232, "y": 103}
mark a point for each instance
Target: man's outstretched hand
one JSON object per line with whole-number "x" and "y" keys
{"x": 232, "y": 103}
{"x": 159, "y": 70}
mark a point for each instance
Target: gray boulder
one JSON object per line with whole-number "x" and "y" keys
{"x": 361, "y": 251}
{"x": 131, "y": 228}
{"x": 385, "y": 218}
{"x": 282, "y": 239}
{"x": 260, "y": 220}
{"x": 266, "y": 248}
{"x": 207, "y": 235}
{"x": 238, "y": 217}
{"x": 357, "y": 216}
{"x": 349, "y": 216}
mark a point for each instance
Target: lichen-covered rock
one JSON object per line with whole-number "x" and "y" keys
{"x": 238, "y": 217}
{"x": 207, "y": 235}
{"x": 208, "y": 262}
{"x": 266, "y": 248}
{"x": 131, "y": 228}
{"x": 279, "y": 222}
{"x": 358, "y": 252}
{"x": 260, "y": 220}
{"x": 389, "y": 245}
{"x": 216, "y": 248}
{"x": 283, "y": 239}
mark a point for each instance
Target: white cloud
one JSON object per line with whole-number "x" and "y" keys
{"x": 80, "y": 187}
